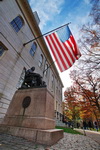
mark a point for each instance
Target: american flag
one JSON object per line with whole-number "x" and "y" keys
{"x": 63, "y": 47}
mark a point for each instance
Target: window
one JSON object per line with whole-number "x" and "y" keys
{"x": 41, "y": 60}
{"x": 33, "y": 49}
{"x": 2, "y": 49}
{"x": 46, "y": 69}
{"x": 17, "y": 23}
{"x": 56, "y": 90}
{"x": 21, "y": 79}
{"x": 52, "y": 81}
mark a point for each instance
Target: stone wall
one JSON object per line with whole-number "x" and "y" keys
{"x": 17, "y": 56}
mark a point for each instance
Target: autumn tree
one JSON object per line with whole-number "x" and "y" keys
{"x": 86, "y": 112}
{"x": 71, "y": 104}
{"x": 88, "y": 87}
{"x": 86, "y": 74}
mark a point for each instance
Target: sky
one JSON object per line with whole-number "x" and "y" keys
{"x": 54, "y": 13}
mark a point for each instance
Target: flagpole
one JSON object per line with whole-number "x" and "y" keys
{"x": 46, "y": 33}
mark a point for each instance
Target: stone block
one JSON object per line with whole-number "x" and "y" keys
{"x": 34, "y": 122}
{"x": 49, "y": 137}
{"x": 38, "y": 115}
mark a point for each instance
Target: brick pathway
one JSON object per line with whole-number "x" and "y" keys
{"x": 69, "y": 142}
{"x": 9, "y": 142}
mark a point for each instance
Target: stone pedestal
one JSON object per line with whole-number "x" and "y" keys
{"x": 31, "y": 115}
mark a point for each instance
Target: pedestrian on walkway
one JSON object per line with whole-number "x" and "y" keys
{"x": 90, "y": 125}
{"x": 84, "y": 125}
{"x": 96, "y": 126}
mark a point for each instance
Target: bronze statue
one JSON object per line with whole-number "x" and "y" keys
{"x": 32, "y": 79}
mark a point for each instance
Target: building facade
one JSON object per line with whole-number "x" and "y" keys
{"x": 18, "y": 26}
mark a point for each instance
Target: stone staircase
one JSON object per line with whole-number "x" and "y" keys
{"x": 59, "y": 123}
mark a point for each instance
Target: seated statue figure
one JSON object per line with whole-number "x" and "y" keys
{"x": 32, "y": 79}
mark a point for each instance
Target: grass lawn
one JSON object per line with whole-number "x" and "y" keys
{"x": 95, "y": 130}
{"x": 68, "y": 130}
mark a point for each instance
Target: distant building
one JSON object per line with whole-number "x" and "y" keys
{"x": 19, "y": 25}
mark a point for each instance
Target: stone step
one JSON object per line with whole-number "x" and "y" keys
{"x": 47, "y": 137}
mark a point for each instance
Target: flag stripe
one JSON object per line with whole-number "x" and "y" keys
{"x": 57, "y": 50}
{"x": 67, "y": 44}
{"x": 76, "y": 48}
{"x": 74, "y": 45}
{"x": 65, "y": 51}
{"x": 71, "y": 46}
{"x": 68, "y": 48}
{"x": 54, "y": 52}
{"x": 70, "y": 59}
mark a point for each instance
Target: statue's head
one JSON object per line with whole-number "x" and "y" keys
{"x": 33, "y": 68}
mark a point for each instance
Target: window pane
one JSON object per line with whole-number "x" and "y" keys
{"x": 41, "y": 60}
{"x": 33, "y": 49}
{"x": 34, "y": 46}
{"x": 46, "y": 69}
{"x": 32, "y": 52}
{"x": 17, "y": 23}
{"x": 52, "y": 81}
{"x": 1, "y": 50}
{"x": 21, "y": 79}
